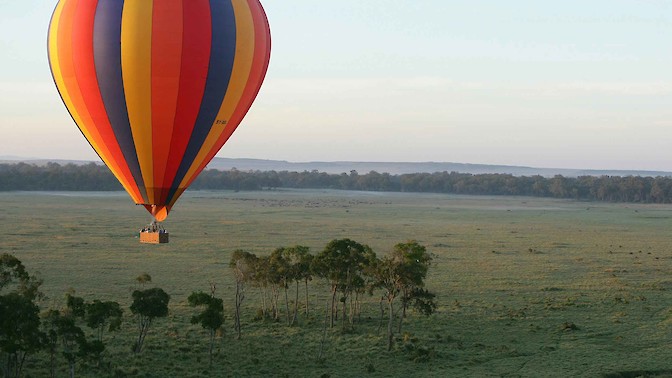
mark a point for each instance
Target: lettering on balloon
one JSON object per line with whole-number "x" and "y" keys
{"x": 220, "y": 122}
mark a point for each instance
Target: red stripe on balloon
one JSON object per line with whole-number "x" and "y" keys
{"x": 195, "y": 58}
{"x": 166, "y": 63}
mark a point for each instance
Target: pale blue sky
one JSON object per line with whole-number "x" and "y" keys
{"x": 577, "y": 84}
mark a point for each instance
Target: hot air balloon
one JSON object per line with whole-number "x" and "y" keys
{"x": 158, "y": 86}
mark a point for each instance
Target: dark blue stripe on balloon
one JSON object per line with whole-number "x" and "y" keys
{"x": 107, "y": 58}
{"x": 222, "y": 53}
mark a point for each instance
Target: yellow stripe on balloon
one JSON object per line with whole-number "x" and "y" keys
{"x": 136, "y": 67}
{"x": 66, "y": 85}
{"x": 242, "y": 65}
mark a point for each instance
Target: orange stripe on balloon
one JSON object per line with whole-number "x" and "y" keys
{"x": 85, "y": 71}
{"x": 167, "y": 24}
{"x": 136, "y": 66}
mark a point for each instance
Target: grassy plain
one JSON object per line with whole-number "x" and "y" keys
{"x": 526, "y": 287}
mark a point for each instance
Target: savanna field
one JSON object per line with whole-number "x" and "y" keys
{"x": 526, "y": 287}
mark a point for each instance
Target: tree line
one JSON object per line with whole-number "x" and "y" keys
{"x": 349, "y": 269}
{"x": 94, "y": 177}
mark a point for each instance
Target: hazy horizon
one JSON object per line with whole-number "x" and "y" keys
{"x": 339, "y": 163}
{"x": 563, "y": 85}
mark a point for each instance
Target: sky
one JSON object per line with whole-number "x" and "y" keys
{"x": 556, "y": 84}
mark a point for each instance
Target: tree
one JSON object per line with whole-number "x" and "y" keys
{"x": 212, "y": 316}
{"x": 11, "y": 270}
{"x": 283, "y": 272}
{"x": 97, "y": 315}
{"x": 76, "y": 305}
{"x": 290, "y": 265}
{"x": 103, "y": 315}
{"x": 50, "y": 324}
{"x": 307, "y": 272}
{"x": 279, "y": 274}
{"x": 72, "y": 339}
{"x": 413, "y": 263}
{"x": 342, "y": 263}
{"x": 385, "y": 276}
{"x": 92, "y": 350}
{"x": 61, "y": 326}
{"x": 261, "y": 279}
{"x": 403, "y": 273}
{"x": 244, "y": 265}
{"x": 299, "y": 260}
{"x": 148, "y": 305}
{"x": 423, "y": 301}
{"x": 15, "y": 278}
{"x": 20, "y": 333}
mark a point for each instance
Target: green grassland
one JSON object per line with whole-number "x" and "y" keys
{"x": 526, "y": 287}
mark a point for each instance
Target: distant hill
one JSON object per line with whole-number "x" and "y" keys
{"x": 40, "y": 161}
{"x": 337, "y": 167}
{"x": 405, "y": 167}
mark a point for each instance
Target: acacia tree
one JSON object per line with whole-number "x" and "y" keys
{"x": 260, "y": 278}
{"x": 50, "y": 325}
{"x": 61, "y": 328}
{"x": 75, "y": 306}
{"x": 385, "y": 277}
{"x": 413, "y": 262}
{"x": 15, "y": 278}
{"x": 342, "y": 263}
{"x": 20, "y": 333}
{"x": 72, "y": 340}
{"x": 103, "y": 315}
{"x": 403, "y": 273}
{"x": 244, "y": 265}
{"x": 299, "y": 260}
{"x": 423, "y": 301}
{"x": 100, "y": 316}
{"x": 148, "y": 305}
{"x": 306, "y": 273}
{"x": 280, "y": 275}
{"x": 212, "y": 316}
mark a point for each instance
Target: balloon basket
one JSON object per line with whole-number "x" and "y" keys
{"x": 153, "y": 237}
{"x": 154, "y": 234}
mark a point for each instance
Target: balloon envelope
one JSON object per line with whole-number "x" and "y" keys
{"x": 158, "y": 86}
